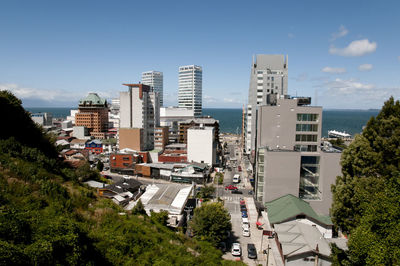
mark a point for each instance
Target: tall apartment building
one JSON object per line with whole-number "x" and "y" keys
{"x": 139, "y": 114}
{"x": 269, "y": 77}
{"x": 93, "y": 114}
{"x": 289, "y": 157}
{"x": 190, "y": 88}
{"x": 155, "y": 80}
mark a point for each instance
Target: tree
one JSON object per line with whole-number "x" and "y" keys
{"x": 211, "y": 222}
{"x": 139, "y": 209}
{"x": 100, "y": 166}
{"x": 365, "y": 198}
{"x": 206, "y": 192}
{"x": 159, "y": 217}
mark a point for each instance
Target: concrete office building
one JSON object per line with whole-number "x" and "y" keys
{"x": 190, "y": 88}
{"x": 171, "y": 116}
{"x": 43, "y": 119}
{"x": 198, "y": 122}
{"x": 269, "y": 76}
{"x": 93, "y": 114}
{"x": 155, "y": 79}
{"x": 289, "y": 158}
{"x": 139, "y": 114}
{"x": 201, "y": 145}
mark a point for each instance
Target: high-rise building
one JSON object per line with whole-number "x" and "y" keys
{"x": 289, "y": 157}
{"x": 139, "y": 114}
{"x": 190, "y": 88}
{"x": 155, "y": 80}
{"x": 268, "y": 78}
{"x": 93, "y": 114}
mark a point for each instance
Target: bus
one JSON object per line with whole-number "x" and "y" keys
{"x": 236, "y": 178}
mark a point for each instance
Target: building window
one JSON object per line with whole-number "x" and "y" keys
{"x": 125, "y": 158}
{"x": 307, "y": 117}
{"x": 305, "y": 148}
{"x": 125, "y": 164}
{"x": 309, "y": 178}
{"x": 306, "y": 137}
{"x": 307, "y": 127}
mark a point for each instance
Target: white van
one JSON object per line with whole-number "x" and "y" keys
{"x": 236, "y": 178}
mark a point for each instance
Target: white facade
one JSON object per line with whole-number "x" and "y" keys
{"x": 71, "y": 117}
{"x": 190, "y": 88}
{"x": 139, "y": 108}
{"x": 155, "y": 80}
{"x": 268, "y": 78}
{"x": 43, "y": 119}
{"x": 201, "y": 145}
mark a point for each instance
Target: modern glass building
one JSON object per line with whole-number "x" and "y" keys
{"x": 155, "y": 80}
{"x": 190, "y": 88}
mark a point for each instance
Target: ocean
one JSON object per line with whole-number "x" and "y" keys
{"x": 230, "y": 120}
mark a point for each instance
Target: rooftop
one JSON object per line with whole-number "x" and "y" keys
{"x": 288, "y": 207}
{"x": 93, "y": 99}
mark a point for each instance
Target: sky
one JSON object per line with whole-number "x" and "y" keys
{"x": 344, "y": 54}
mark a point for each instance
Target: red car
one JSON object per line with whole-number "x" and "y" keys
{"x": 239, "y": 168}
{"x": 242, "y": 202}
{"x": 231, "y": 187}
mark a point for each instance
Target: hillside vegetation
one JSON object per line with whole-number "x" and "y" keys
{"x": 47, "y": 217}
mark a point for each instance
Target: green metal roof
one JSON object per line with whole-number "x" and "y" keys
{"x": 288, "y": 207}
{"x": 93, "y": 98}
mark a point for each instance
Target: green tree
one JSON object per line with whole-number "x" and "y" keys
{"x": 206, "y": 192}
{"x": 364, "y": 197}
{"x": 139, "y": 209}
{"x": 100, "y": 166}
{"x": 211, "y": 222}
{"x": 159, "y": 217}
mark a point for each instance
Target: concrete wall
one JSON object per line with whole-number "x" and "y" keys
{"x": 281, "y": 174}
{"x": 276, "y": 125}
{"x": 201, "y": 145}
{"x": 329, "y": 169}
{"x": 131, "y": 138}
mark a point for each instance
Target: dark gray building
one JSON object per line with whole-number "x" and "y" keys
{"x": 289, "y": 157}
{"x": 269, "y": 76}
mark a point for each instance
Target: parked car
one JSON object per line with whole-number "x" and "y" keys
{"x": 246, "y": 231}
{"x": 231, "y": 187}
{"x": 236, "y": 191}
{"x": 244, "y": 214}
{"x": 251, "y": 251}
{"x": 242, "y": 202}
{"x": 239, "y": 168}
{"x": 243, "y": 208}
{"x": 236, "y": 249}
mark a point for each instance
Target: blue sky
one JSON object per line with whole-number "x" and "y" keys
{"x": 347, "y": 53}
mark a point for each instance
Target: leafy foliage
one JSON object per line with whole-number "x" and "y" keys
{"x": 366, "y": 197}
{"x": 206, "y": 192}
{"x": 211, "y": 222}
{"x": 48, "y": 218}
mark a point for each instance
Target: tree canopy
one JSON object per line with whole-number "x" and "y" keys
{"x": 366, "y": 197}
{"x": 47, "y": 217}
{"x": 211, "y": 222}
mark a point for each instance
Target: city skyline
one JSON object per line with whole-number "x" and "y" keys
{"x": 344, "y": 53}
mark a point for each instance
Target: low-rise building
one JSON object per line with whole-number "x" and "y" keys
{"x": 201, "y": 145}
{"x": 124, "y": 161}
{"x": 166, "y": 197}
{"x": 94, "y": 146}
{"x": 171, "y": 117}
{"x": 78, "y": 143}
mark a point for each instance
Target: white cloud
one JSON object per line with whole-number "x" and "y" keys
{"x": 58, "y": 96}
{"x": 341, "y": 33}
{"x": 334, "y": 70}
{"x": 355, "y": 48}
{"x": 365, "y": 67}
{"x": 352, "y": 94}
{"x": 291, "y": 35}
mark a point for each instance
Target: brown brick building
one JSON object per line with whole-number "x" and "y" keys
{"x": 124, "y": 163}
{"x": 93, "y": 114}
{"x": 197, "y": 122}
